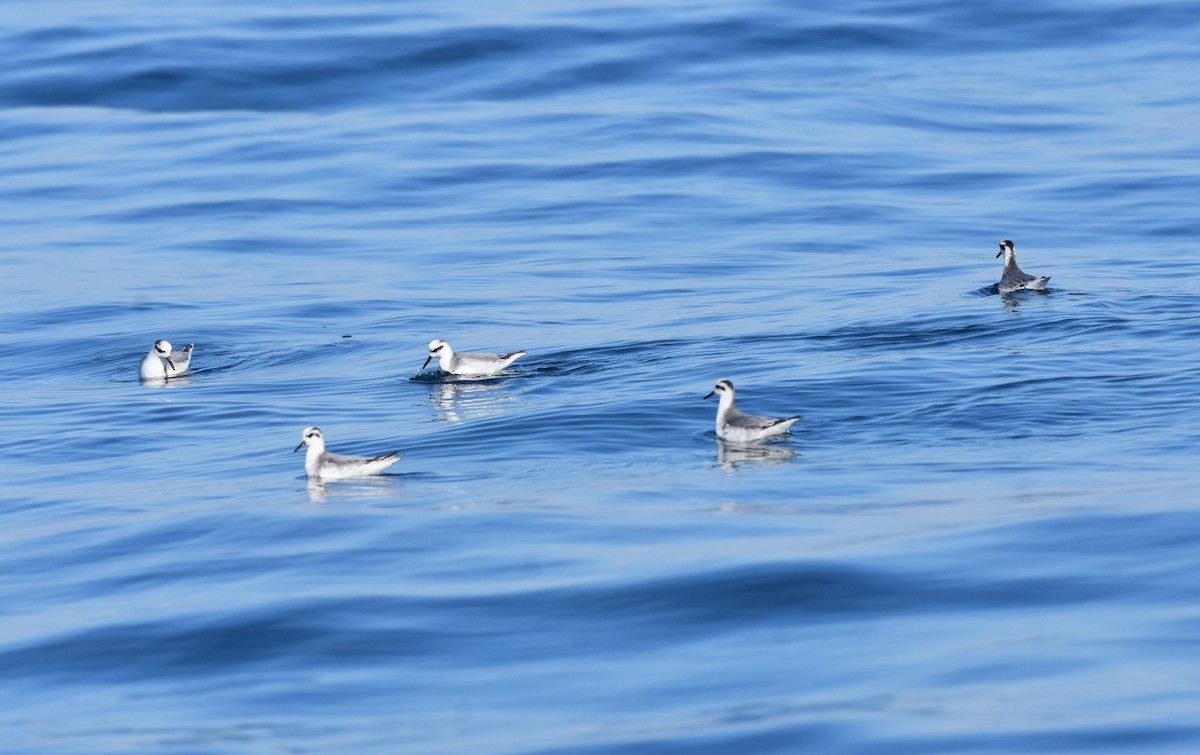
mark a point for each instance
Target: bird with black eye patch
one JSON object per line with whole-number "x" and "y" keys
{"x": 468, "y": 363}
{"x": 326, "y": 465}
{"x": 735, "y": 425}
{"x": 1014, "y": 278}
{"x": 162, "y": 363}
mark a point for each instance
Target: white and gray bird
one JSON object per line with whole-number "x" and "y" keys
{"x": 326, "y": 465}
{"x": 1014, "y": 278}
{"x": 735, "y": 425}
{"x": 163, "y": 363}
{"x": 468, "y": 363}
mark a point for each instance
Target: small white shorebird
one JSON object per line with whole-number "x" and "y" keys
{"x": 326, "y": 465}
{"x": 163, "y": 363}
{"x": 1014, "y": 278}
{"x": 735, "y": 425}
{"x": 467, "y": 363}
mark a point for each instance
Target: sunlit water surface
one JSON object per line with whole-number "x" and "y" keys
{"x": 981, "y": 538}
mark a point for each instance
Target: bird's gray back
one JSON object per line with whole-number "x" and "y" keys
{"x": 1016, "y": 275}
{"x": 751, "y": 421}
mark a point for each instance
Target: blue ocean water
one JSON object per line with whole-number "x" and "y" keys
{"x": 981, "y": 538}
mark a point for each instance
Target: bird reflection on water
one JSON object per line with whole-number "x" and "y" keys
{"x": 173, "y": 382}
{"x": 467, "y": 399}
{"x": 732, "y": 456}
{"x": 359, "y": 488}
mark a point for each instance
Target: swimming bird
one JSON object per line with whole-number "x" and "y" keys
{"x": 163, "y": 363}
{"x": 467, "y": 363}
{"x": 1015, "y": 279}
{"x": 326, "y": 465}
{"x": 735, "y": 425}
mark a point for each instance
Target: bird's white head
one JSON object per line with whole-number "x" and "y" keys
{"x": 1006, "y": 247}
{"x": 437, "y": 349}
{"x": 723, "y": 388}
{"x": 311, "y": 437}
{"x": 162, "y": 349}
